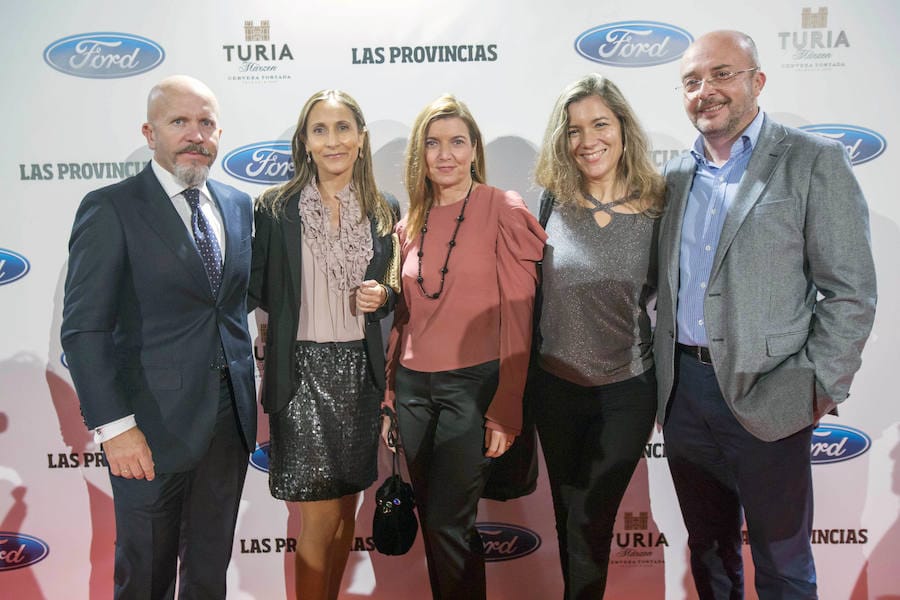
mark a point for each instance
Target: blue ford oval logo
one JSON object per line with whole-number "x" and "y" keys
{"x": 260, "y": 457}
{"x": 506, "y": 542}
{"x": 862, "y": 144}
{"x": 633, "y": 43}
{"x": 265, "y": 162}
{"x": 837, "y": 443}
{"x": 104, "y": 55}
{"x": 18, "y": 550}
{"x": 13, "y": 266}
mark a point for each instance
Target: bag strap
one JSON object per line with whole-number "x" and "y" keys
{"x": 393, "y": 439}
{"x": 548, "y": 202}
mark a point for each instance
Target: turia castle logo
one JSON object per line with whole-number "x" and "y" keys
{"x": 259, "y": 60}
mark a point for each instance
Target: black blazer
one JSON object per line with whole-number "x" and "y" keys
{"x": 275, "y": 288}
{"x": 141, "y": 326}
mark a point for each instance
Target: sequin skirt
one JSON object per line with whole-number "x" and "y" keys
{"x": 324, "y": 443}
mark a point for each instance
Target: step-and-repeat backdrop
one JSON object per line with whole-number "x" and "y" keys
{"x": 76, "y": 75}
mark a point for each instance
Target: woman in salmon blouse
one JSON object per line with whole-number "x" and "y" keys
{"x": 458, "y": 351}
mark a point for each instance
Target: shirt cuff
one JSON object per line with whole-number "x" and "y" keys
{"x": 106, "y": 432}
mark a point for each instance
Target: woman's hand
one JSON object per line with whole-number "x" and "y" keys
{"x": 387, "y": 436}
{"x": 497, "y": 442}
{"x": 370, "y": 296}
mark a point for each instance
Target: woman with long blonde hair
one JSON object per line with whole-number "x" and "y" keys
{"x": 593, "y": 390}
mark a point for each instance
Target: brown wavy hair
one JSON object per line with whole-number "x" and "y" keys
{"x": 418, "y": 186}
{"x": 371, "y": 201}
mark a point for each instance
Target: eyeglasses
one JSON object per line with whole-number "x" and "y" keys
{"x": 717, "y": 80}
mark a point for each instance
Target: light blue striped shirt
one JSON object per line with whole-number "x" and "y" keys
{"x": 712, "y": 192}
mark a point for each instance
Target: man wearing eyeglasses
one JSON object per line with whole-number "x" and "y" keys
{"x": 766, "y": 298}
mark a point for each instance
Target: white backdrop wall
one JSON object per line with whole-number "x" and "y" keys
{"x": 71, "y": 123}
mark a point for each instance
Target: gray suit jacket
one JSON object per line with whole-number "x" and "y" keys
{"x": 791, "y": 296}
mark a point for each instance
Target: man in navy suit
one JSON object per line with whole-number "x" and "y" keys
{"x": 155, "y": 334}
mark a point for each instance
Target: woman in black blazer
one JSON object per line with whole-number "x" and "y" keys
{"x": 321, "y": 247}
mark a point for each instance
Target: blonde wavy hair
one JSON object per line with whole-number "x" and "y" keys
{"x": 556, "y": 170}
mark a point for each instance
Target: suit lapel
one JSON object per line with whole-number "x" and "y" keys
{"x": 291, "y": 230}
{"x": 679, "y": 183}
{"x": 375, "y": 268}
{"x": 161, "y": 217}
{"x": 768, "y": 152}
{"x": 231, "y": 220}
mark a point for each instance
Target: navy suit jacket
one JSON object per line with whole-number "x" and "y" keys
{"x": 141, "y": 326}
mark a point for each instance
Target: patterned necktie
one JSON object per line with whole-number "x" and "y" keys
{"x": 206, "y": 240}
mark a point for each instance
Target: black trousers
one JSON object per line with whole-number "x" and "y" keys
{"x": 441, "y": 421}
{"x": 592, "y": 439}
{"x": 718, "y": 468}
{"x": 182, "y": 519}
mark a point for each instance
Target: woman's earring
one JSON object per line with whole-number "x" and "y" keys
{"x": 472, "y": 169}
{"x": 308, "y": 157}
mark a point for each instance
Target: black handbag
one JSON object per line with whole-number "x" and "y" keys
{"x": 515, "y": 473}
{"x": 394, "y": 524}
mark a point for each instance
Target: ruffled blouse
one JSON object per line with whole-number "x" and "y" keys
{"x": 333, "y": 265}
{"x": 344, "y": 257}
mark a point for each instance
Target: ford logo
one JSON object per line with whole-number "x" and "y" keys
{"x": 265, "y": 162}
{"x": 13, "y": 266}
{"x": 506, "y": 542}
{"x": 633, "y": 43}
{"x": 104, "y": 55}
{"x": 260, "y": 457}
{"x": 837, "y": 443}
{"x": 18, "y": 550}
{"x": 862, "y": 144}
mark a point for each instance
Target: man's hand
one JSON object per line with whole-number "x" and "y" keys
{"x": 129, "y": 455}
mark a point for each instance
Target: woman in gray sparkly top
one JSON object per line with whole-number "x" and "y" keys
{"x": 593, "y": 391}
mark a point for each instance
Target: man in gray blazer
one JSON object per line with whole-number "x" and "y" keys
{"x": 766, "y": 298}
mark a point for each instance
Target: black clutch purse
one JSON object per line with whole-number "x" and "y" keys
{"x": 394, "y": 524}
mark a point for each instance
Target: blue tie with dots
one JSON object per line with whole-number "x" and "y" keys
{"x": 206, "y": 240}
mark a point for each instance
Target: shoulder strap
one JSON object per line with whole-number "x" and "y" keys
{"x": 546, "y": 207}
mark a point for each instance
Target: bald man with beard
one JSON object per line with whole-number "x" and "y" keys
{"x": 155, "y": 334}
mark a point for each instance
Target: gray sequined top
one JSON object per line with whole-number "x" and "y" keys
{"x": 596, "y": 286}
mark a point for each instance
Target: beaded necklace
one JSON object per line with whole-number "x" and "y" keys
{"x": 450, "y": 245}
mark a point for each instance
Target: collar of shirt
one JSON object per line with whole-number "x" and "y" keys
{"x": 743, "y": 144}
{"x": 172, "y": 186}
{"x": 174, "y": 189}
